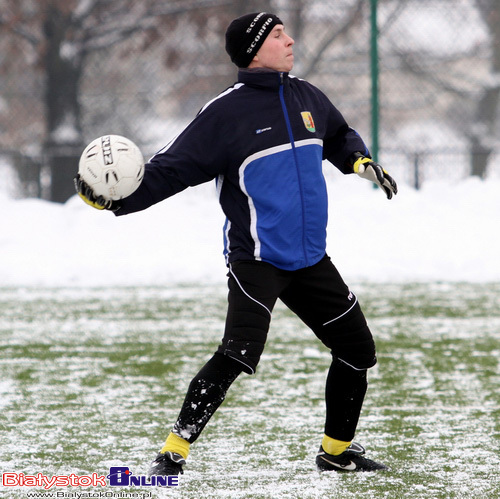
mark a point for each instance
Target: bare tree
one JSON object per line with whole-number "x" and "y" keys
{"x": 62, "y": 34}
{"x": 445, "y": 80}
{"x": 352, "y": 15}
{"x": 485, "y": 128}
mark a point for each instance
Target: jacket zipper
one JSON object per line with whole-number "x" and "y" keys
{"x": 292, "y": 141}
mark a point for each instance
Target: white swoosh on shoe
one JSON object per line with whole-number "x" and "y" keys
{"x": 348, "y": 467}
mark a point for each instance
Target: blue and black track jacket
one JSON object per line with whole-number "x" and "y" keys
{"x": 263, "y": 140}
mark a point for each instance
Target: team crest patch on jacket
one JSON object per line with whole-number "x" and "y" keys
{"x": 308, "y": 121}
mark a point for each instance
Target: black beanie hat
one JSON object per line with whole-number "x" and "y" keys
{"x": 245, "y": 36}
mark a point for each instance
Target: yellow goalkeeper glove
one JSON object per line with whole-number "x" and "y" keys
{"x": 367, "y": 168}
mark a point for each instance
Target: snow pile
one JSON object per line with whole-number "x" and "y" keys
{"x": 442, "y": 232}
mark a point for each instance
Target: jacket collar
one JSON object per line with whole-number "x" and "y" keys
{"x": 262, "y": 78}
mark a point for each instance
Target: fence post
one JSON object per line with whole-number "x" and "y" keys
{"x": 416, "y": 171}
{"x": 374, "y": 79}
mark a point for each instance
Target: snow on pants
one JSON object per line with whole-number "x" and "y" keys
{"x": 321, "y": 299}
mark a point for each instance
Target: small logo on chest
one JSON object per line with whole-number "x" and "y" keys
{"x": 262, "y": 130}
{"x": 308, "y": 121}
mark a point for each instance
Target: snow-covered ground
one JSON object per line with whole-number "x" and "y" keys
{"x": 441, "y": 233}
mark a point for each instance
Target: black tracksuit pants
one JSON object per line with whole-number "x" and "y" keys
{"x": 321, "y": 299}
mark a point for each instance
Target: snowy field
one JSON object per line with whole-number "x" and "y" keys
{"x": 93, "y": 378}
{"x": 104, "y": 320}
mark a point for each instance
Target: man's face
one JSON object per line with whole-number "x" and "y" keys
{"x": 276, "y": 52}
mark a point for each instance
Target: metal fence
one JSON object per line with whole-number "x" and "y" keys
{"x": 438, "y": 83}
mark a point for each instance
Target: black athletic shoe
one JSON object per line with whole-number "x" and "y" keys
{"x": 350, "y": 460}
{"x": 167, "y": 464}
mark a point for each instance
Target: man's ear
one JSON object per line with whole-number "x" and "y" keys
{"x": 254, "y": 62}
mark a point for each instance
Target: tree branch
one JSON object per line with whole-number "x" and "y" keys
{"x": 108, "y": 34}
{"x": 325, "y": 44}
{"x": 19, "y": 30}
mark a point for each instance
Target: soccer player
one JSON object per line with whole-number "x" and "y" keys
{"x": 264, "y": 140}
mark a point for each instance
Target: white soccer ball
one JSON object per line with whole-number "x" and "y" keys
{"x": 113, "y": 166}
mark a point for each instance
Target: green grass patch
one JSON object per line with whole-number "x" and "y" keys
{"x": 94, "y": 378}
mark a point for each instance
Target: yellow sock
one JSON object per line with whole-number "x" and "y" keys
{"x": 176, "y": 444}
{"x": 334, "y": 447}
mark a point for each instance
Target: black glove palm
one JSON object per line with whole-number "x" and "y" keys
{"x": 87, "y": 194}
